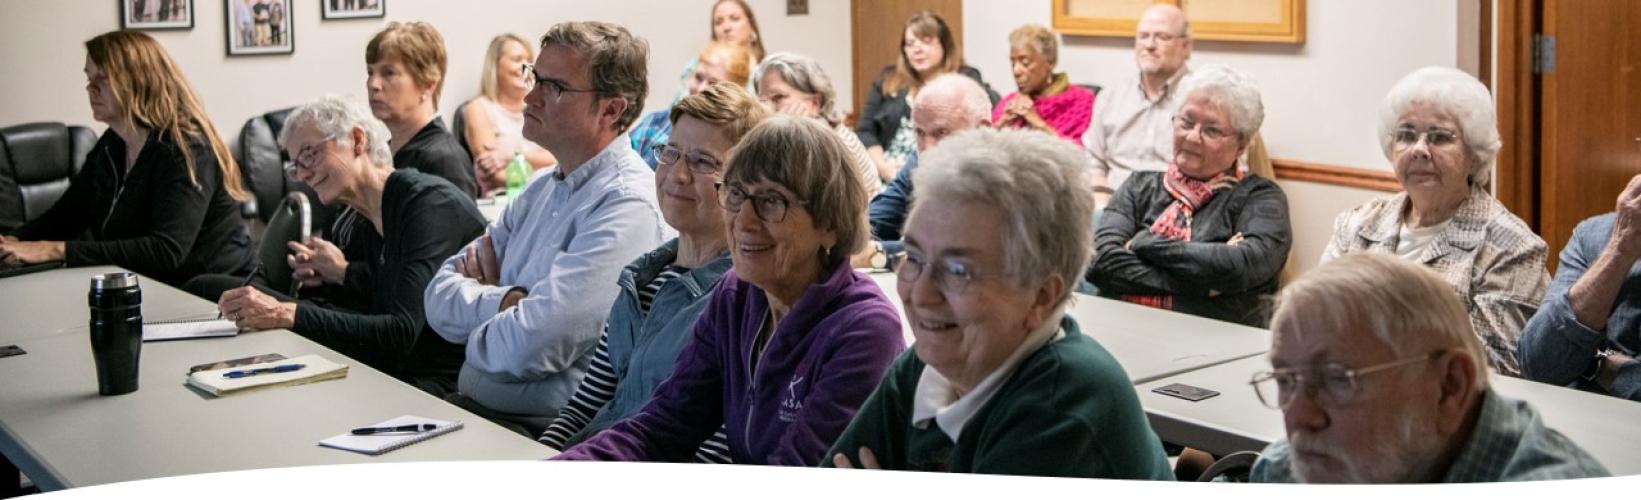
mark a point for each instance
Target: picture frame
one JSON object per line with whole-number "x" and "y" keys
{"x": 259, "y": 27}
{"x": 1266, "y": 21}
{"x": 352, "y": 9}
{"x": 156, "y": 14}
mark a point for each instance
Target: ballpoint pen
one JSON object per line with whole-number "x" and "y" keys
{"x": 247, "y": 282}
{"x": 260, "y": 371}
{"x": 365, "y": 431}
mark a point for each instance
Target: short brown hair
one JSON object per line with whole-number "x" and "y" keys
{"x": 617, "y": 62}
{"x": 806, "y": 157}
{"x": 725, "y": 105}
{"x": 418, "y": 47}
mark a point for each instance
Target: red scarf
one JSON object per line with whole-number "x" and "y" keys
{"x": 1175, "y": 222}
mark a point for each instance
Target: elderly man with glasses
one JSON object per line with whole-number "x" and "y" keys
{"x": 1132, "y": 126}
{"x": 529, "y": 298}
{"x": 1380, "y": 380}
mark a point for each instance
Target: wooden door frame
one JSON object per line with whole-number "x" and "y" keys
{"x": 1516, "y": 179}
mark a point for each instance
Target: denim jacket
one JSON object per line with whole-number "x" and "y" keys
{"x": 1556, "y": 348}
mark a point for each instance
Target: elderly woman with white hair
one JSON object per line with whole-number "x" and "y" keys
{"x": 337, "y": 147}
{"x": 1202, "y": 237}
{"x": 794, "y": 84}
{"x": 1000, "y": 380}
{"x": 1438, "y": 129}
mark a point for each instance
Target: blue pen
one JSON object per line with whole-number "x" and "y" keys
{"x": 259, "y": 371}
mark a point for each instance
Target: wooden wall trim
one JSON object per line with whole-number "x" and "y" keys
{"x": 1377, "y": 180}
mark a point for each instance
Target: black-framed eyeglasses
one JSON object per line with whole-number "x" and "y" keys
{"x": 1335, "y": 384}
{"x": 1160, "y": 37}
{"x": 949, "y": 274}
{"x": 769, "y": 207}
{"x": 1208, "y": 132}
{"x": 305, "y": 157}
{"x": 555, "y": 88}
{"x": 1435, "y": 137}
{"x": 700, "y": 164}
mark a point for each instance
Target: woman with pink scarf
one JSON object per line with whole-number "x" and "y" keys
{"x": 1047, "y": 100}
{"x": 1202, "y": 237}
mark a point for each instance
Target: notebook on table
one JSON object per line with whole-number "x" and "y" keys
{"x": 188, "y": 329}
{"x": 377, "y": 444}
{"x": 314, "y": 369}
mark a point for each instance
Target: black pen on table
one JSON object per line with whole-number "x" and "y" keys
{"x": 365, "y": 431}
{"x": 247, "y": 282}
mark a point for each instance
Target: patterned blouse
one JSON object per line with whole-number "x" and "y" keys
{"x": 1492, "y": 259}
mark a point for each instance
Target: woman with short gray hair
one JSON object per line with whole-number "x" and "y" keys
{"x": 794, "y": 84}
{"x": 793, "y": 339}
{"x": 337, "y": 147}
{"x": 996, "y": 240}
{"x": 1438, "y": 130}
{"x": 1203, "y": 237}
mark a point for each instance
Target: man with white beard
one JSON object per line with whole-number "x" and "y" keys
{"x": 1380, "y": 380}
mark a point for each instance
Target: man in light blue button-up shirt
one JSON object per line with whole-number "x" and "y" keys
{"x": 529, "y": 297}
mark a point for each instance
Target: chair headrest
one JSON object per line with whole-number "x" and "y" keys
{"x": 39, "y": 152}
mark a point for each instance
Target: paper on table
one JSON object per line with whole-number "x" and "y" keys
{"x": 188, "y": 330}
{"x": 377, "y": 444}
{"x": 315, "y": 369}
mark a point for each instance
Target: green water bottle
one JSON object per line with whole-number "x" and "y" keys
{"x": 518, "y": 172}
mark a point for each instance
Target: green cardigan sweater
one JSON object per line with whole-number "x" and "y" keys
{"x": 1068, "y": 410}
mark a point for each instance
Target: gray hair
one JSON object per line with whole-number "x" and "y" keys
{"x": 617, "y": 62}
{"x": 805, "y": 75}
{"x": 1035, "y": 180}
{"x": 1456, "y": 94}
{"x": 1404, "y": 305}
{"x": 334, "y": 116}
{"x": 806, "y": 157}
{"x": 1233, "y": 91}
{"x": 1038, "y": 38}
{"x": 973, "y": 99}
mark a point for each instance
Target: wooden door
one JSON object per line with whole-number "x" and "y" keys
{"x": 1590, "y": 112}
{"x": 876, "y": 25}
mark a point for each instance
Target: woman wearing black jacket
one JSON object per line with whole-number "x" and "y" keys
{"x": 159, "y": 192}
{"x": 927, "y": 50}
{"x": 339, "y": 149}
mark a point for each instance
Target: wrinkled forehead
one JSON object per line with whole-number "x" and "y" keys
{"x": 1162, "y": 20}
{"x": 1309, "y": 330}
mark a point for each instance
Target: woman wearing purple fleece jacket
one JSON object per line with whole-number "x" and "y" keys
{"x": 794, "y": 339}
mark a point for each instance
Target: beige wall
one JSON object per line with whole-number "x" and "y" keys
{"x": 1321, "y": 98}
{"x": 41, "y": 45}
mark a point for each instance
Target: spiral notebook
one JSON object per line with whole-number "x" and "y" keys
{"x": 377, "y": 444}
{"x": 153, "y": 331}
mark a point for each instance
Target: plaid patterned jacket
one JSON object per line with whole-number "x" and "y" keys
{"x": 1488, "y": 254}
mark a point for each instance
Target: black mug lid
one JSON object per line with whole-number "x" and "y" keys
{"x": 114, "y": 281}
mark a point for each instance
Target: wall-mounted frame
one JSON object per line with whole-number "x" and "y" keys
{"x": 259, "y": 27}
{"x": 156, "y": 14}
{"x": 352, "y": 9}
{"x": 1272, "y": 21}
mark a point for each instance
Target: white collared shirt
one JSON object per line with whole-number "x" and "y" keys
{"x": 1130, "y": 132}
{"x": 935, "y": 399}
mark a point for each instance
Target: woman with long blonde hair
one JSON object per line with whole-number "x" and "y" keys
{"x": 159, "y": 193}
{"x": 495, "y": 119}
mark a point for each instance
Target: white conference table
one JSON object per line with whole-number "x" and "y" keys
{"x": 492, "y": 207}
{"x": 1150, "y": 343}
{"x": 58, "y": 431}
{"x": 1235, "y": 420}
{"x": 54, "y": 302}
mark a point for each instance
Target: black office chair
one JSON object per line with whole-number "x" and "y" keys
{"x": 1233, "y": 468}
{"x": 458, "y": 126}
{"x": 292, "y": 221}
{"x": 37, "y": 161}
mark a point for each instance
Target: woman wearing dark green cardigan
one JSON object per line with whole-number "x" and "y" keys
{"x": 999, "y": 380}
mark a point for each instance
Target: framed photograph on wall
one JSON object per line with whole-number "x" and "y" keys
{"x": 352, "y": 9}
{"x": 257, "y": 27}
{"x": 156, "y": 14}
{"x": 1272, "y": 21}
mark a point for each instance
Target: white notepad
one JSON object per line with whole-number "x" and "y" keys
{"x": 177, "y": 330}
{"x": 315, "y": 369}
{"x": 377, "y": 444}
